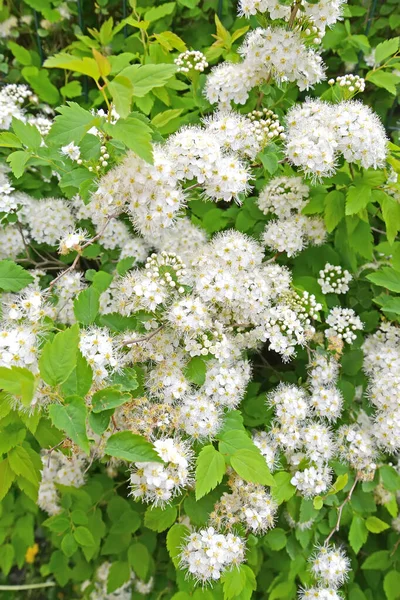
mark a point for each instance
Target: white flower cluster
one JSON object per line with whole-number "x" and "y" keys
{"x": 48, "y": 220}
{"x": 283, "y": 196}
{"x": 334, "y": 279}
{"x": 63, "y": 469}
{"x": 207, "y": 555}
{"x": 352, "y": 83}
{"x": 325, "y": 399}
{"x": 99, "y": 349}
{"x": 330, "y": 566}
{"x": 8, "y": 200}
{"x": 357, "y": 447}
{"x": 319, "y": 132}
{"x": 321, "y": 14}
{"x": 158, "y": 483}
{"x": 184, "y": 239}
{"x": 12, "y": 97}
{"x": 266, "y": 126}
{"x": 343, "y": 323}
{"x": 18, "y": 347}
{"x": 247, "y": 503}
{"x": 66, "y": 289}
{"x": 199, "y": 416}
{"x": 191, "y": 60}
{"x": 293, "y": 233}
{"x": 11, "y": 242}
{"x": 382, "y": 363}
{"x": 271, "y": 52}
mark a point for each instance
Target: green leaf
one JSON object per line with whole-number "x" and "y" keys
{"x": 28, "y": 134}
{"x": 59, "y": 356}
{"x": 283, "y": 489}
{"x": 175, "y": 539}
{"x": 276, "y": 539}
{"x": 87, "y": 306}
{"x": 334, "y": 209}
{"x": 210, "y": 469}
{"x": 384, "y": 79}
{"x": 108, "y": 398}
{"x": 71, "y": 418}
{"x": 375, "y": 525}
{"x": 72, "y": 89}
{"x": 390, "y": 212}
{"x": 390, "y": 478}
{"x": 80, "y": 380}
{"x": 69, "y": 545}
{"x": 86, "y": 65}
{"x": 339, "y": 484}
{"x": 9, "y": 140}
{"x": 252, "y": 467}
{"x": 21, "y": 463}
{"x": 147, "y": 77}
{"x": 358, "y": 533}
{"x": 19, "y": 382}
{"x": 159, "y": 519}
{"x": 237, "y": 580}
{"x": 135, "y": 134}
{"x": 40, "y": 83}
{"x": 118, "y": 574}
{"x": 391, "y": 585}
{"x": 13, "y": 277}
{"x": 159, "y": 12}
{"x": 18, "y": 162}
{"x": 83, "y": 536}
{"x": 386, "y": 49}
{"x": 7, "y": 558}
{"x": 235, "y": 439}
{"x": 132, "y": 447}
{"x": 71, "y": 125}
{"x": 357, "y": 198}
{"x": 7, "y": 476}
{"x": 377, "y": 560}
{"x": 20, "y": 53}
{"x": 121, "y": 89}
{"x": 195, "y": 370}
{"x": 125, "y": 379}
{"x": 139, "y": 559}
{"x": 386, "y": 277}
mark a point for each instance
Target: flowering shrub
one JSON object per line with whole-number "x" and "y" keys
{"x": 199, "y": 267}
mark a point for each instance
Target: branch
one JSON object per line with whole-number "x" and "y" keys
{"x": 143, "y": 338}
{"x": 340, "y": 510}
{"x": 30, "y": 586}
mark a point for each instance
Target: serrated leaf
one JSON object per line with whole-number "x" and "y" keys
{"x": 7, "y": 476}
{"x": 357, "y": 198}
{"x": 175, "y": 540}
{"x": 139, "y": 559}
{"x": 132, "y": 447}
{"x": 71, "y": 125}
{"x": 251, "y": 466}
{"x": 28, "y": 134}
{"x": 108, "y": 398}
{"x": 135, "y": 134}
{"x": 83, "y": 536}
{"x": 71, "y": 418}
{"x": 9, "y": 140}
{"x": 59, "y": 356}
{"x": 385, "y": 49}
{"x": 334, "y": 209}
{"x": 21, "y": 463}
{"x": 13, "y": 277}
{"x": 147, "y": 77}
{"x": 387, "y": 278}
{"x": 85, "y": 66}
{"x": 121, "y": 89}
{"x": 18, "y": 162}
{"x": 358, "y": 533}
{"x": 210, "y": 469}
{"x": 377, "y": 560}
{"x": 375, "y": 525}
{"x": 159, "y": 519}
{"x": 19, "y": 382}
{"x": 87, "y": 305}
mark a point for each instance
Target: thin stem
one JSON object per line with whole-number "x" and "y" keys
{"x": 340, "y": 510}
{"x": 30, "y": 586}
{"x": 293, "y": 15}
{"x": 143, "y": 338}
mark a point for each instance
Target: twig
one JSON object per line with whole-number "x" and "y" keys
{"x": 143, "y": 338}
{"x": 30, "y": 586}
{"x": 397, "y": 544}
{"x": 340, "y": 510}
{"x": 293, "y": 15}
{"x": 78, "y": 256}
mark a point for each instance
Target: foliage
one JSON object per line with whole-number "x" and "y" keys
{"x": 103, "y": 85}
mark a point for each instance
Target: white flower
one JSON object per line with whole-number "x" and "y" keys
{"x": 343, "y": 322}
{"x": 330, "y": 566}
{"x": 72, "y": 151}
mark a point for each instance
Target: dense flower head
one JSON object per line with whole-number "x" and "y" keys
{"x": 357, "y": 446}
{"x": 343, "y": 323}
{"x": 293, "y": 233}
{"x": 199, "y": 416}
{"x": 283, "y": 196}
{"x": 48, "y": 220}
{"x": 207, "y": 554}
{"x": 247, "y": 503}
{"x": 99, "y": 349}
{"x": 313, "y": 481}
{"x": 157, "y": 483}
{"x": 330, "y": 566}
{"x": 191, "y": 60}
{"x": 319, "y": 132}
{"x": 59, "y": 468}
{"x": 334, "y": 279}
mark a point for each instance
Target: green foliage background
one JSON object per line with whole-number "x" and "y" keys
{"x": 74, "y": 65}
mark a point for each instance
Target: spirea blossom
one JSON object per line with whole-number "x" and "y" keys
{"x": 334, "y": 279}
{"x": 199, "y": 417}
{"x": 273, "y": 51}
{"x": 330, "y": 566}
{"x": 282, "y": 196}
{"x": 343, "y": 323}
{"x": 319, "y": 132}
{"x": 48, "y": 220}
{"x": 313, "y": 481}
{"x": 247, "y": 503}
{"x": 98, "y": 347}
{"x": 208, "y": 554}
{"x": 191, "y": 60}
{"x": 157, "y": 483}
{"x": 11, "y": 242}
{"x": 294, "y": 233}
{"x": 320, "y": 593}
{"x": 357, "y": 447}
